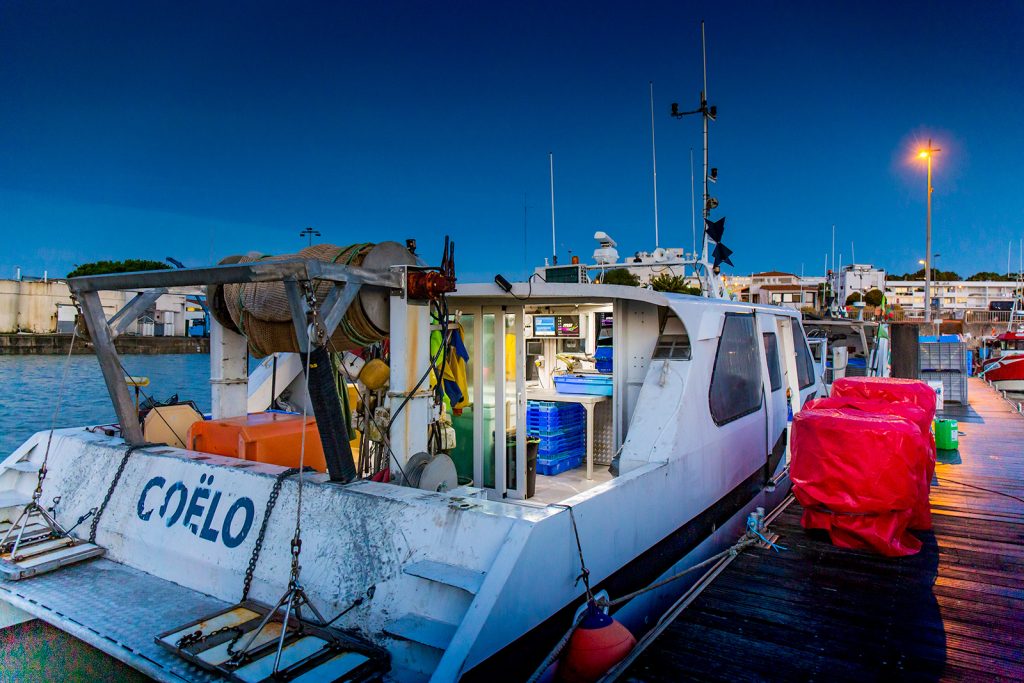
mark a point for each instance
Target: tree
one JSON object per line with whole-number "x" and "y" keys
{"x": 874, "y": 297}
{"x": 673, "y": 283}
{"x": 936, "y": 275}
{"x": 127, "y": 266}
{"x": 620, "y": 276}
{"x": 989, "y": 275}
{"x": 853, "y": 298}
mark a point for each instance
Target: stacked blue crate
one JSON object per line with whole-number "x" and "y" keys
{"x": 561, "y": 428}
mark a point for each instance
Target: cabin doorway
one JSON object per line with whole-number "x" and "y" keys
{"x": 543, "y": 398}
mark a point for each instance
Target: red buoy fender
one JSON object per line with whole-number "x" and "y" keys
{"x": 598, "y": 644}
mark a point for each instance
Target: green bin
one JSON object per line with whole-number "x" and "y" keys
{"x": 946, "y": 432}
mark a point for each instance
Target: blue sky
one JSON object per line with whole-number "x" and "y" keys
{"x": 195, "y": 130}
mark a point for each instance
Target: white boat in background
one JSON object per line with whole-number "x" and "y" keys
{"x": 445, "y": 581}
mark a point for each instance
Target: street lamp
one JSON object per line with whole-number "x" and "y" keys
{"x": 310, "y": 233}
{"x": 927, "y": 153}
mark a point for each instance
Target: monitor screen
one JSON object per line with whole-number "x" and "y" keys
{"x": 568, "y": 326}
{"x": 544, "y": 326}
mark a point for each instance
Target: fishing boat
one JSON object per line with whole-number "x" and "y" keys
{"x": 404, "y": 555}
{"x": 1005, "y": 367}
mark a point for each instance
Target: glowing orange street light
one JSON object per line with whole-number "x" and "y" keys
{"x": 927, "y": 153}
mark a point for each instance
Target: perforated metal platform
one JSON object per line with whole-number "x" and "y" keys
{"x": 117, "y": 610}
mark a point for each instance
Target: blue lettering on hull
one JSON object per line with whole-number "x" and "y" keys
{"x": 197, "y": 511}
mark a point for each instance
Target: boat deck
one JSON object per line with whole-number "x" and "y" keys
{"x": 954, "y": 611}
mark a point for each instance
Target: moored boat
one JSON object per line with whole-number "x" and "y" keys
{"x": 412, "y": 555}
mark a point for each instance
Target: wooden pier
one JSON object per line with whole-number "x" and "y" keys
{"x": 954, "y": 611}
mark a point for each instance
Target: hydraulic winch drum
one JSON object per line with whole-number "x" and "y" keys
{"x": 260, "y": 310}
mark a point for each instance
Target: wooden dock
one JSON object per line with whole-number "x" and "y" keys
{"x": 955, "y": 611}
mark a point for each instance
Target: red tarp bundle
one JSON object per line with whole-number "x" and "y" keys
{"x": 861, "y": 475}
{"x": 895, "y": 392}
{"x": 922, "y": 513}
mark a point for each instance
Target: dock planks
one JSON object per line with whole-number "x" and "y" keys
{"x": 954, "y": 611}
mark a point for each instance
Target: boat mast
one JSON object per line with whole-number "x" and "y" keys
{"x": 711, "y": 285}
{"x": 693, "y": 205}
{"x": 705, "y": 117}
{"x": 551, "y": 173}
{"x": 654, "y": 166}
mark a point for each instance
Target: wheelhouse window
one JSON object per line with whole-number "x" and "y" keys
{"x": 771, "y": 353}
{"x": 736, "y": 377}
{"x": 804, "y": 362}
{"x": 673, "y": 342}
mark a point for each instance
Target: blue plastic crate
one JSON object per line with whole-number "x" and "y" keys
{"x": 552, "y": 415}
{"x": 603, "y": 359}
{"x": 548, "y": 424}
{"x": 552, "y": 407}
{"x": 551, "y": 445}
{"x": 594, "y": 385}
{"x": 554, "y": 433}
{"x": 552, "y": 466}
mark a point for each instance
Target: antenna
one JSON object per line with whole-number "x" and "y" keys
{"x": 526, "y": 258}
{"x": 706, "y": 115}
{"x": 654, "y": 165}
{"x": 693, "y": 204}
{"x": 554, "y": 248}
{"x": 834, "y": 247}
{"x": 853, "y": 254}
{"x": 801, "y": 285}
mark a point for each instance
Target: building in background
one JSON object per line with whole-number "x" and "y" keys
{"x": 44, "y": 306}
{"x": 783, "y": 289}
{"x": 950, "y": 298}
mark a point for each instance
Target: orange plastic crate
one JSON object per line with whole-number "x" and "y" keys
{"x": 274, "y": 438}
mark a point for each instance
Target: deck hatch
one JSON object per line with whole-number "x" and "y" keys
{"x": 310, "y": 652}
{"x": 35, "y": 544}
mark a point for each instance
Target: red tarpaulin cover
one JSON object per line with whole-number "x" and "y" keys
{"x": 898, "y": 390}
{"x": 858, "y": 476}
{"x": 922, "y": 514}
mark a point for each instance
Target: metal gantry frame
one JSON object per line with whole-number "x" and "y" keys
{"x": 294, "y": 273}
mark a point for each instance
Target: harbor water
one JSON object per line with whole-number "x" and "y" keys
{"x": 30, "y": 385}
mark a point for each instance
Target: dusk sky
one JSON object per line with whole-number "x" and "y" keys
{"x": 200, "y": 129}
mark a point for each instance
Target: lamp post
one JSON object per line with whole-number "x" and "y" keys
{"x": 310, "y": 233}
{"x": 927, "y": 153}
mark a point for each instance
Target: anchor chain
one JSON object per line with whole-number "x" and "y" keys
{"x": 110, "y": 491}
{"x": 258, "y": 547}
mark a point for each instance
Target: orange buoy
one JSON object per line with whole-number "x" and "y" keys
{"x": 598, "y": 644}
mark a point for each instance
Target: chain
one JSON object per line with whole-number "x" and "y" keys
{"x": 198, "y": 637}
{"x": 258, "y": 548}
{"x": 317, "y": 328}
{"x": 110, "y": 491}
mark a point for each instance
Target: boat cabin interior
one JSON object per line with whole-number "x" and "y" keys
{"x": 558, "y": 377}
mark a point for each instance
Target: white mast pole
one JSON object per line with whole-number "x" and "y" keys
{"x": 551, "y": 170}
{"x": 704, "y": 100}
{"x": 833, "y": 247}
{"x": 693, "y": 204}
{"x": 654, "y": 165}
